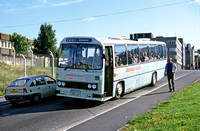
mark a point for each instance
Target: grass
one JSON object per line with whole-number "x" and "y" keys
{"x": 8, "y": 73}
{"x": 181, "y": 112}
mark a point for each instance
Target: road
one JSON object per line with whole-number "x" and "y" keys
{"x": 75, "y": 115}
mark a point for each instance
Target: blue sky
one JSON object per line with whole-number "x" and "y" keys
{"x": 103, "y": 18}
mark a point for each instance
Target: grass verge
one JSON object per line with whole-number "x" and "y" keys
{"x": 8, "y": 73}
{"x": 180, "y": 112}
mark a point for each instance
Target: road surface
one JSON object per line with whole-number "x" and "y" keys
{"x": 75, "y": 115}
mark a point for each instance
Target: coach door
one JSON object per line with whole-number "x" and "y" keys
{"x": 108, "y": 71}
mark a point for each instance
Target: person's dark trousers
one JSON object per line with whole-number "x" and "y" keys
{"x": 170, "y": 77}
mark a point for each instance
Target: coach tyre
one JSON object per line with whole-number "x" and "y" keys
{"x": 154, "y": 79}
{"x": 119, "y": 90}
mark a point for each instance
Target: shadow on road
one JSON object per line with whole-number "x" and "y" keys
{"x": 47, "y": 105}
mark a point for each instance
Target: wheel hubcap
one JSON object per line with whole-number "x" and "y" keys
{"x": 119, "y": 89}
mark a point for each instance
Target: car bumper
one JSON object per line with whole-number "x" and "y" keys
{"x": 19, "y": 97}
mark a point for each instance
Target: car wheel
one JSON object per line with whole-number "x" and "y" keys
{"x": 119, "y": 91}
{"x": 36, "y": 99}
{"x": 14, "y": 103}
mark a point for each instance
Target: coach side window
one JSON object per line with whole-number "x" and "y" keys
{"x": 164, "y": 52}
{"x": 120, "y": 55}
{"x": 160, "y": 52}
{"x": 133, "y": 54}
{"x": 153, "y": 52}
{"x": 144, "y": 53}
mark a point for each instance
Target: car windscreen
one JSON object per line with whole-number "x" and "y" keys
{"x": 19, "y": 83}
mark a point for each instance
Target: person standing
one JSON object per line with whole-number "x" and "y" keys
{"x": 170, "y": 70}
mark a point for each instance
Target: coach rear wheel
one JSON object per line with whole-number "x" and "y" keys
{"x": 154, "y": 79}
{"x": 119, "y": 90}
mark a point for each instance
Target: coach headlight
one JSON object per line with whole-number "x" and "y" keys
{"x": 89, "y": 86}
{"x": 94, "y": 86}
{"x": 59, "y": 83}
{"x": 63, "y": 83}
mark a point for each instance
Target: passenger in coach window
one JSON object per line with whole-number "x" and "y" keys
{"x": 134, "y": 60}
{"x": 137, "y": 57}
{"x": 146, "y": 58}
{"x": 142, "y": 58}
{"x": 151, "y": 57}
{"x": 117, "y": 61}
{"x": 170, "y": 70}
{"x": 130, "y": 61}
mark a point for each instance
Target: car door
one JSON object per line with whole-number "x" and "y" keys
{"x": 42, "y": 87}
{"x": 51, "y": 85}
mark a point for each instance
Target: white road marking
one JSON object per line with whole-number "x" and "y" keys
{"x": 89, "y": 118}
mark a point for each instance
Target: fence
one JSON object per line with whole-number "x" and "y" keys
{"x": 7, "y": 56}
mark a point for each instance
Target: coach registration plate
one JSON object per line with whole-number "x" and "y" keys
{"x": 75, "y": 93}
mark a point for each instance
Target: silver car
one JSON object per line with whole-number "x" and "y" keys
{"x": 30, "y": 88}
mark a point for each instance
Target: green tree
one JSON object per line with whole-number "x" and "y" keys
{"x": 46, "y": 40}
{"x": 198, "y": 51}
{"x": 21, "y": 44}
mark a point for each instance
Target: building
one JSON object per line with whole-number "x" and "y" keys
{"x": 197, "y": 61}
{"x": 5, "y": 40}
{"x": 190, "y": 57}
{"x": 183, "y": 52}
{"x": 6, "y": 48}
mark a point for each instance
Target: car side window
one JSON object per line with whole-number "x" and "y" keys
{"x": 40, "y": 81}
{"x": 33, "y": 83}
{"x": 49, "y": 80}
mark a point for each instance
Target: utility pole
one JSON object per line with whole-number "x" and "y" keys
{"x": 13, "y": 55}
{"x": 24, "y": 65}
{"x": 52, "y": 63}
{"x": 31, "y": 57}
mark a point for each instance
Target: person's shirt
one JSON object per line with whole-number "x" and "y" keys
{"x": 169, "y": 67}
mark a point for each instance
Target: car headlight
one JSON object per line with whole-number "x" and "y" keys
{"x": 63, "y": 83}
{"x": 94, "y": 86}
{"x": 59, "y": 83}
{"x": 89, "y": 86}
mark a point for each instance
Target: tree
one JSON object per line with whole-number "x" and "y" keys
{"x": 198, "y": 51}
{"x": 21, "y": 44}
{"x": 46, "y": 40}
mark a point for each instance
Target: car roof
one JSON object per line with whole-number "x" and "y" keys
{"x": 29, "y": 77}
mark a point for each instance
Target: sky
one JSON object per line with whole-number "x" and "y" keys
{"x": 103, "y": 18}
